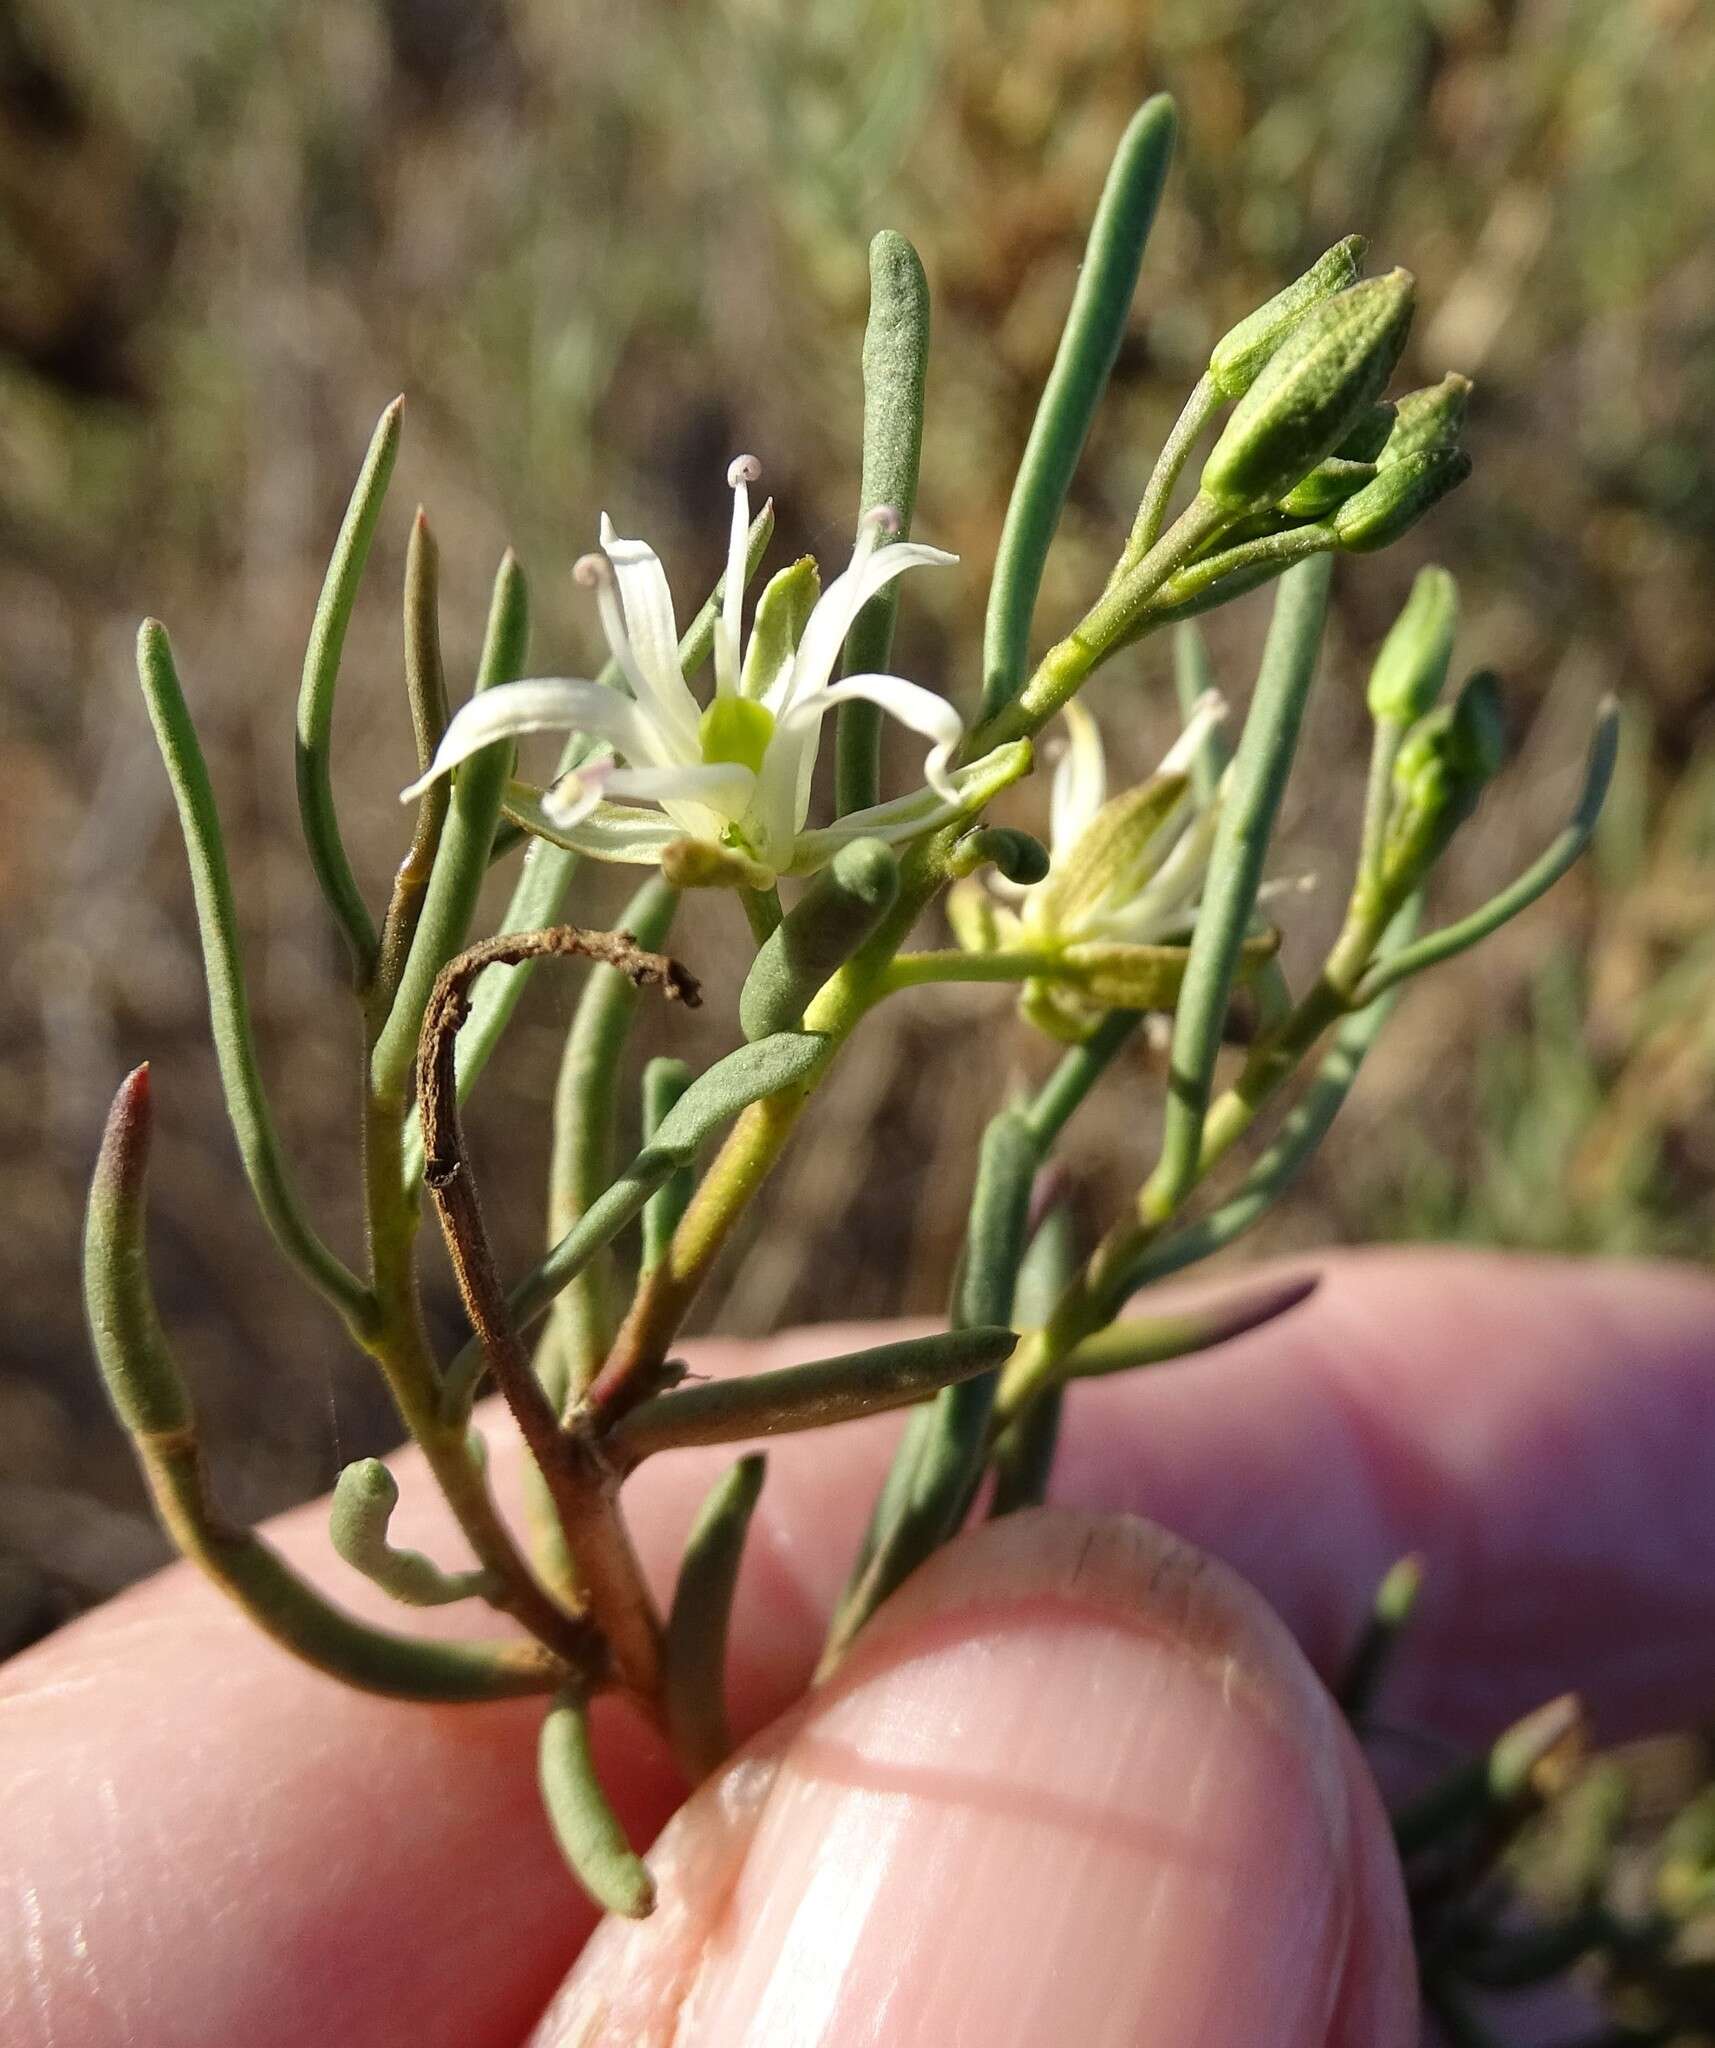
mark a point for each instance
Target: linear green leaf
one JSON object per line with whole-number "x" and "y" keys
{"x": 585, "y": 1825}
{"x": 1096, "y": 325}
{"x": 228, "y": 1002}
{"x": 895, "y": 364}
{"x": 316, "y": 694}
{"x": 694, "y": 1651}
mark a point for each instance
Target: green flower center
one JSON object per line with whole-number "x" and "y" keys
{"x": 736, "y": 729}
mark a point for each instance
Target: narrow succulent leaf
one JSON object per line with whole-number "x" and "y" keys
{"x": 317, "y": 690}
{"x": 1260, "y": 768}
{"x": 364, "y": 1497}
{"x": 461, "y": 862}
{"x": 664, "y": 1082}
{"x": 946, "y": 1453}
{"x": 1023, "y": 1459}
{"x": 1389, "y": 1616}
{"x": 1536, "y": 880}
{"x": 1178, "y": 1333}
{"x": 895, "y": 364}
{"x": 745, "y": 1075}
{"x": 252, "y": 1121}
{"x": 1095, "y": 327}
{"x": 832, "y": 919}
{"x": 694, "y": 1653}
{"x": 1329, "y": 369}
{"x": 799, "y": 1397}
{"x": 151, "y": 1400}
{"x": 589, "y": 1834}
{"x": 426, "y": 695}
{"x": 586, "y": 1099}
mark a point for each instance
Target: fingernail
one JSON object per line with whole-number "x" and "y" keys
{"x": 1075, "y": 1785}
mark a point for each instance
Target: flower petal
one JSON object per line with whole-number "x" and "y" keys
{"x": 654, "y": 670}
{"x": 611, "y": 831}
{"x": 923, "y": 711}
{"x": 725, "y": 786}
{"x": 1080, "y": 780}
{"x": 538, "y": 704}
{"x": 871, "y": 570}
{"x": 909, "y": 817}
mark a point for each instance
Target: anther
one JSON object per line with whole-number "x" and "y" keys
{"x": 743, "y": 469}
{"x": 592, "y": 571}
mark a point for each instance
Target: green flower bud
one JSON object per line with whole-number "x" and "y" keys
{"x": 1412, "y": 664}
{"x": 1312, "y": 392}
{"x": 1329, "y": 484}
{"x": 1446, "y": 762}
{"x": 1399, "y": 497}
{"x": 1240, "y": 354}
{"x": 1370, "y": 436}
{"x": 1425, "y": 420}
{"x": 1014, "y": 855}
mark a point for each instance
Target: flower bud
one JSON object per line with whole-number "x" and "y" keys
{"x": 1425, "y": 420}
{"x": 1329, "y": 484}
{"x": 1447, "y": 760}
{"x": 1240, "y": 354}
{"x": 1015, "y": 856}
{"x": 1399, "y": 497}
{"x": 1311, "y": 393}
{"x": 1370, "y": 436}
{"x": 1412, "y": 664}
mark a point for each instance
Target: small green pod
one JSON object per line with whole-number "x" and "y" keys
{"x": 143, "y": 1382}
{"x": 1401, "y": 494}
{"x": 1432, "y": 418}
{"x": 1412, "y": 665}
{"x": 817, "y": 936}
{"x": 1326, "y": 374}
{"x": 585, "y": 1825}
{"x": 1237, "y": 359}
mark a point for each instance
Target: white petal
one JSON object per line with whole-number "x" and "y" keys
{"x": 1209, "y": 711}
{"x": 1080, "y": 780}
{"x": 653, "y": 671}
{"x": 538, "y": 704}
{"x": 899, "y": 819}
{"x": 724, "y": 786}
{"x": 837, "y": 608}
{"x": 610, "y": 832}
{"x": 923, "y": 711}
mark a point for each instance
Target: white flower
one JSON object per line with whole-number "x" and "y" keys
{"x": 1108, "y": 926}
{"x": 1126, "y": 871}
{"x": 736, "y": 774}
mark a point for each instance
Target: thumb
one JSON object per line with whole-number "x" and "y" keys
{"x": 1074, "y": 1783}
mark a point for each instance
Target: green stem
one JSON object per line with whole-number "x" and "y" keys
{"x": 1199, "y": 409}
{"x": 316, "y": 696}
{"x": 1260, "y": 768}
{"x": 228, "y": 1002}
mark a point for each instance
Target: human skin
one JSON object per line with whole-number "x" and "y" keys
{"x": 1077, "y": 1783}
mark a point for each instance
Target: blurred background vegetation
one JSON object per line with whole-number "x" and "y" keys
{"x": 602, "y": 248}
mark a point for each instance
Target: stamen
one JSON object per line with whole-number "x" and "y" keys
{"x": 743, "y": 469}
{"x": 741, "y": 473}
{"x": 591, "y": 571}
{"x": 883, "y": 520}
{"x": 595, "y": 572}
